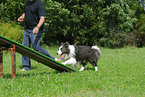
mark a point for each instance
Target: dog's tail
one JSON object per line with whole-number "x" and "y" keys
{"x": 96, "y": 48}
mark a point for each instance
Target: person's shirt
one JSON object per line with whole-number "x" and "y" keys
{"x": 33, "y": 11}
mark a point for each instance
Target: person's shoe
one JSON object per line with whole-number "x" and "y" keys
{"x": 25, "y": 69}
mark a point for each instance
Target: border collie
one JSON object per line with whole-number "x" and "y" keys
{"x": 79, "y": 55}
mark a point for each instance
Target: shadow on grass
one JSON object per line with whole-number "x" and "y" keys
{"x": 90, "y": 68}
{"x": 28, "y": 74}
{"x": 33, "y": 67}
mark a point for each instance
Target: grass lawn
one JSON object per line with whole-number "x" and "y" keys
{"x": 121, "y": 74}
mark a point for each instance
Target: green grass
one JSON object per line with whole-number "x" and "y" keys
{"x": 121, "y": 74}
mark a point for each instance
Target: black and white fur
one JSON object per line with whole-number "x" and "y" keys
{"x": 80, "y": 54}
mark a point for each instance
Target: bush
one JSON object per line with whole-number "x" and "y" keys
{"x": 119, "y": 23}
{"x": 72, "y": 21}
{"x": 11, "y": 9}
{"x": 12, "y": 31}
{"x": 109, "y": 23}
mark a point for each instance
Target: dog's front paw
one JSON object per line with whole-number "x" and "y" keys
{"x": 82, "y": 69}
{"x": 64, "y": 63}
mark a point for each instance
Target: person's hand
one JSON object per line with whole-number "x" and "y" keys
{"x": 35, "y": 30}
{"x": 20, "y": 19}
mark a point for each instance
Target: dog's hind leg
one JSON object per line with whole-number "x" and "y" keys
{"x": 95, "y": 65}
{"x": 96, "y": 69}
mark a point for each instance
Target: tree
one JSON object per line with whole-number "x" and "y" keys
{"x": 118, "y": 22}
{"x": 11, "y": 9}
{"x": 73, "y": 20}
{"x": 85, "y": 22}
{"x": 138, "y": 6}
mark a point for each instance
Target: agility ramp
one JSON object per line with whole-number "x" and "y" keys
{"x": 28, "y": 52}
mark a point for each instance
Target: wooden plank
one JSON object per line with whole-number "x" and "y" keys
{"x": 13, "y": 62}
{"x": 1, "y": 64}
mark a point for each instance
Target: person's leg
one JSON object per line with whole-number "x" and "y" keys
{"x": 35, "y": 39}
{"x": 25, "y": 60}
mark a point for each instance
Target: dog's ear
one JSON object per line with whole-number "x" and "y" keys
{"x": 62, "y": 43}
{"x": 67, "y": 43}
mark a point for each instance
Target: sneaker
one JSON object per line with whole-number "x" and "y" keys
{"x": 28, "y": 68}
{"x": 25, "y": 69}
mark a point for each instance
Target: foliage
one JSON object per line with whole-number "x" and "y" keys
{"x": 120, "y": 74}
{"x": 74, "y": 21}
{"x": 90, "y": 23}
{"x": 108, "y": 23}
{"x": 139, "y": 29}
{"x": 118, "y": 22}
{"x": 11, "y": 30}
{"x": 56, "y": 22}
{"x": 11, "y": 9}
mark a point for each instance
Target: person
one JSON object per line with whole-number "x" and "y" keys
{"x": 34, "y": 14}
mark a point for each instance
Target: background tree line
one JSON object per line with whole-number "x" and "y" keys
{"x": 108, "y": 23}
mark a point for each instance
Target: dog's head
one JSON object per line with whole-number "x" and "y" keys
{"x": 64, "y": 48}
